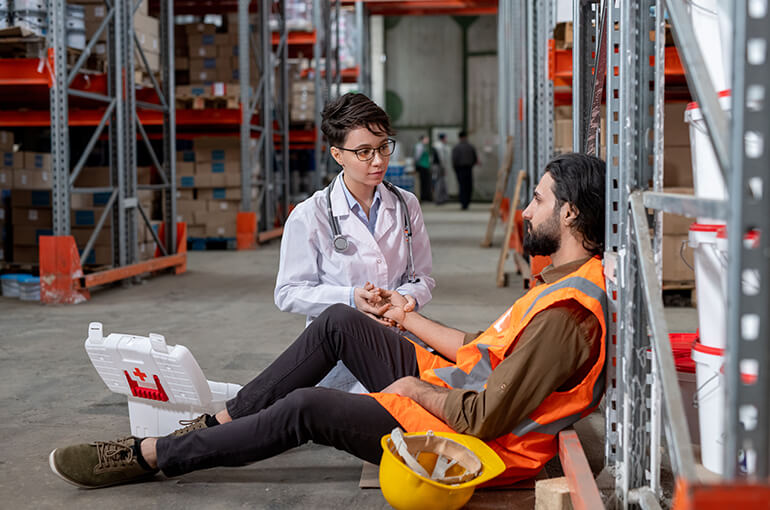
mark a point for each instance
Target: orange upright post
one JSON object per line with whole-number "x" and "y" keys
{"x": 60, "y": 270}
{"x": 246, "y": 231}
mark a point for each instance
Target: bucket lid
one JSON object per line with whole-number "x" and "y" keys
{"x": 703, "y": 233}
{"x": 27, "y": 278}
{"x": 707, "y": 349}
{"x": 693, "y": 105}
{"x": 706, "y": 227}
{"x": 750, "y": 239}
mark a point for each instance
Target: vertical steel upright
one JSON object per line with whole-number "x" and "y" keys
{"x": 747, "y": 452}
{"x": 266, "y": 115}
{"x": 60, "y": 119}
{"x": 282, "y": 108}
{"x": 583, "y": 19}
{"x": 614, "y": 215}
{"x": 540, "y": 16}
{"x": 362, "y": 49}
{"x": 169, "y": 120}
{"x": 320, "y": 93}
{"x": 248, "y": 103}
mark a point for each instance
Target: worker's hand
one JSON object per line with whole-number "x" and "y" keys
{"x": 401, "y": 386}
{"x": 400, "y": 306}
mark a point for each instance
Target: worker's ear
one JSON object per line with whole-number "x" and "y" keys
{"x": 337, "y": 155}
{"x": 570, "y": 214}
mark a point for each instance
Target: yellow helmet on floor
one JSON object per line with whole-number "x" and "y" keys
{"x": 427, "y": 471}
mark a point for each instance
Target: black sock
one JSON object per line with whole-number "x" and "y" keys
{"x": 139, "y": 456}
{"x": 211, "y": 420}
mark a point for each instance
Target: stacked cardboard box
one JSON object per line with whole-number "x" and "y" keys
{"x": 677, "y": 160}
{"x": 31, "y": 217}
{"x": 676, "y": 271}
{"x": 302, "y": 101}
{"x": 209, "y": 182}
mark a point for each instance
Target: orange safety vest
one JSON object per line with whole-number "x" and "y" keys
{"x": 533, "y": 442}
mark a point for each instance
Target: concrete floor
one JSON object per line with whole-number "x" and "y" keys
{"x": 222, "y": 310}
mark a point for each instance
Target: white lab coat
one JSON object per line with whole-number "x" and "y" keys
{"x": 313, "y": 276}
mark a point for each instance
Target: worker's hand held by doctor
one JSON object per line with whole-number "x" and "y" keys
{"x": 369, "y": 301}
{"x": 400, "y": 306}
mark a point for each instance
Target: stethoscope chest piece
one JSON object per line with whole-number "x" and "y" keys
{"x": 340, "y": 243}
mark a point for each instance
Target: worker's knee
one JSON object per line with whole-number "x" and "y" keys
{"x": 338, "y": 314}
{"x": 309, "y": 402}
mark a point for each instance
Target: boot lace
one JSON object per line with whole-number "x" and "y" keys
{"x": 113, "y": 455}
{"x": 190, "y": 425}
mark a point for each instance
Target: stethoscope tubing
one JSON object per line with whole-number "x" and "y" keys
{"x": 340, "y": 242}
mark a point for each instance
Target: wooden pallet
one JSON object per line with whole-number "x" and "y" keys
{"x": 679, "y": 293}
{"x": 29, "y": 46}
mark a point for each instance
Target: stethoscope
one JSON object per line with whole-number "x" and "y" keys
{"x": 341, "y": 243}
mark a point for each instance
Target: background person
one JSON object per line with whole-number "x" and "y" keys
{"x": 464, "y": 158}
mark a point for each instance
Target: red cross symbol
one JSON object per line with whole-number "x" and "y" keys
{"x": 141, "y": 375}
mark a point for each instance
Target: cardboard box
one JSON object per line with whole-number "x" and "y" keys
{"x": 185, "y": 194}
{"x": 186, "y": 181}
{"x": 181, "y": 64}
{"x": 562, "y": 34}
{"x": 198, "y": 65}
{"x": 146, "y": 251}
{"x": 12, "y": 159}
{"x": 88, "y": 200}
{"x": 185, "y": 157}
{"x": 83, "y": 234}
{"x": 6, "y": 178}
{"x": 677, "y": 167}
{"x": 676, "y": 132}
{"x": 99, "y": 255}
{"x": 217, "y": 180}
{"x": 196, "y": 230}
{"x": 233, "y": 193}
{"x": 144, "y": 175}
{"x": 199, "y": 40}
{"x": 186, "y": 209}
{"x": 674, "y": 268}
{"x": 153, "y": 60}
{"x": 32, "y": 216}
{"x": 88, "y": 217}
{"x": 224, "y": 230}
{"x": 23, "y": 254}
{"x": 216, "y": 217}
{"x": 222, "y": 205}
{"x": 32, "y": 179}
{"x": 28, "y": 234}
{"x": 562, "y": 134}
{"x": 93, "y": 177}
{"x": 205, "y": 77}
{"x": 200, "y": 28}
{"x": 228, "y": 50}
{"x": 37, "y": 161}
{"x": 6, "y": 141}
{"x": 30, "y": 198}
{"x": 147, "y": 31}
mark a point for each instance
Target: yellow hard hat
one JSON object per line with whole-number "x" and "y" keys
{"x": 427, "y": 470}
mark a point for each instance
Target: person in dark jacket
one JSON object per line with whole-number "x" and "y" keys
{"x": 463, "y": 160}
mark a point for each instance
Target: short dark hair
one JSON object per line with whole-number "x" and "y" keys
{"x": 462, "y": 134}
{"x": 352, "y": 111}
{"x": 579, "y": 180}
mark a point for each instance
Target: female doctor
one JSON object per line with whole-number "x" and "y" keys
{"x": 356, "y": 233}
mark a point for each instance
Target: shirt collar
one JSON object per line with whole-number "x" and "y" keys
{"x": 550, "y": 274}
{"x": 352, "y": 202}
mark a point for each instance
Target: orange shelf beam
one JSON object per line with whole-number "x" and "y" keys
{"x": 429, "y": 7}
{"x": 296, "y": 38}
{"x": 349, "y": 74}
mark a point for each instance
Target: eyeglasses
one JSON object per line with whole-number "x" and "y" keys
{"x": 367, "y": 153}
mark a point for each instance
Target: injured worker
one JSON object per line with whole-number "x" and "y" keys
{"x": 536, "y": 370}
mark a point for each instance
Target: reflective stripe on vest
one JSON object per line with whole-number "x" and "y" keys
{"x": 477, "y": 378}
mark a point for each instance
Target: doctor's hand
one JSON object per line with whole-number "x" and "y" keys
{"x": 369, "y": 300}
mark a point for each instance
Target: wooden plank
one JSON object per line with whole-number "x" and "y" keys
{"x": 582, "y": 486}
{"x": 502, "y": 182}
{"x": 501, "y": 280}
{"x": 121, "y": 273}
{"x": 269, "y": 234}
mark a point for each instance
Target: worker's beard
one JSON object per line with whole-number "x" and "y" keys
{"x": 546, "y": 239}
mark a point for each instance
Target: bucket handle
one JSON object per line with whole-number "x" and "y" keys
{"x": 695, "y": 399}
{"x": 681, "y": 255}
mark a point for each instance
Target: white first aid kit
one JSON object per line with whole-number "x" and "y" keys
{"x": 164, "y": 384}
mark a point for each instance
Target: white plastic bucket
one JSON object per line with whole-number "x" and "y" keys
{"x": 708, "y": 34}
{"x": 750, "y": 277}
{"x": 9, "y": 283}
{"x": 76, "y": 27}
{"x": 707, "y": 177}
{"x": 709, "y": 275}
{"x": 710, "y": 400}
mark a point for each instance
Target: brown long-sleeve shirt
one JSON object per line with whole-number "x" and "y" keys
{"x": 554, "y": 353}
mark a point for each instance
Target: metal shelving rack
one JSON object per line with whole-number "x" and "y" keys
{"x": 642, "y": 386}
{"x": 272, "y": 99}
{"x": 121, "y": 114}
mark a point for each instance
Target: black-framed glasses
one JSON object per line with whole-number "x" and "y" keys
{"x": 367, "y": 153}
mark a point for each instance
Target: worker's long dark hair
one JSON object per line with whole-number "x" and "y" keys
{"x": 579, "y": 180}
{"x": 352, "y": 111}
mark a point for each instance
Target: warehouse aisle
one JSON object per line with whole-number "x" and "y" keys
{"x": 222, "y": 309}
